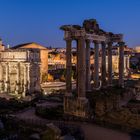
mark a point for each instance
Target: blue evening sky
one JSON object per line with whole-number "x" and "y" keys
{"x": 38, "y": 21}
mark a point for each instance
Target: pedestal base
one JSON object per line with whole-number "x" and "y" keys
{"x": 76, "y": 106}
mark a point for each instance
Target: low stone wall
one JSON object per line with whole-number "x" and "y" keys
{"x": 76, "y": 106}
{"x": 102, "y": 103}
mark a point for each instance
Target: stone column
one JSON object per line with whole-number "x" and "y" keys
{"x": 18, "y": 73}
{"x": 77, "y": 65}
{"x": 96, "y": 65}
{"x": 1, "y": 78}
{"x": 18, "y": 79}
{"x": 88, "y": 75}
{"x": 109, "y": 63}
{"x": 6, "y": 77}
{"x": 25, "y": 74}
{"x": 1, "y": 72}
{"x": 28, "y": 76}
{"x": 81, "y": 67}
{"x": 121, "y": 64}
{"x": 25, "y": 82}
{"x": 128, "y": 61}
{"x": 103, "y": 64}
{"x": 68, "y": 68}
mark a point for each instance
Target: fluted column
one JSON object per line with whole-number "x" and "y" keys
{"x": 88, "y": 77}
{"x": 110, "y": 63}
{"x": 68, "y": 68}
{"x": 25, "y": 82}
{"x": 81, "y": 67}
{"x": 103, "y": 64}
{"x": 18, "y": 79}
{"x": 25, "y": 75}
{"x": 121, "y": 64}
{"x": 18, "y": 72}
{"x": 96, "y": 65}
{"x": 28, "y": 76}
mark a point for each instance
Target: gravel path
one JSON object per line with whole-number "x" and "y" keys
{"x": 91, "y": 131}
{"x": 94, "y": 132}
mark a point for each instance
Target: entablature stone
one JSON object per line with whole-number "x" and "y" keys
{"x": 94, "y": 37}
{"x": 74, "y": 34}
{"x": 115, "y": 38}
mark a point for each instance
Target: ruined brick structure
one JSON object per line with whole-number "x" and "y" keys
{"x": 84, "y": 35}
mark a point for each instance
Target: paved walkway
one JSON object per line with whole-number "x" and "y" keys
{"x": 91, "y": 131}
{"x": 94, "y": 132}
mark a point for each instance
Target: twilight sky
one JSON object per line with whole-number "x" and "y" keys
{"x": 23, "y": 21}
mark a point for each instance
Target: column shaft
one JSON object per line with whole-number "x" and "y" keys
{"x": 25, "y": 82}
{"x": 103, "y": 64}
{"x": 28, "y": 76}
{"x": 6, "y": 77}
{"x": 68, "y": 67}
{"x": 81, "y": 67}
{"x": 18, "y": 73}
{"x": 110, "y": 64}
{"x": 1, "y": 78}
{"x": 25, "y": 75}
{"x": 96, "y": 65}
{"x": 17, "y": 86}
{"x": 121, "y": 64}
{"x": 88, "y": 75}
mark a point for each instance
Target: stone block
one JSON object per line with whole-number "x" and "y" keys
{"x": 76, "y": 106}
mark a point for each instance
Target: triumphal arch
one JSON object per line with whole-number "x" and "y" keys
{"x": 20, "y": 71}
{"x": 89, "y": 33}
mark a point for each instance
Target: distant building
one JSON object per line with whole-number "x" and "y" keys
{"x": 137, "y": 49}
{"x": 57, "y": 59}
{"x": 115, "y": 60}
{"x": 135, "y": 60}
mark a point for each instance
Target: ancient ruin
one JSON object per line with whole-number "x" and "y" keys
{"x": 89, "y": 33}
{"x": 20, "y": 71}
{"x": 43, "y": 56}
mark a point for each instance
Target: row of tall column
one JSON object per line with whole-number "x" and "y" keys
{"x": 83, "y": 65}
{"x": 80, "y": 68}
{"x": 96, "y": 65}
